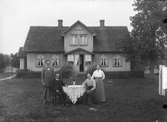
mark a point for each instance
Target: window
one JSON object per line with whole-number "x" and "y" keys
{"x": 88, "y": 60}
{"x": 73, "y": 40}
{"x": 70, "y": 59}
{"x": 117, "y": 61}
{"x": 55, "y": 60}
{"x": 40, "y": 60}
{"x": 76, "y": 60}
{"x": 83, "y": 40}
{"x": 103, "y": 60}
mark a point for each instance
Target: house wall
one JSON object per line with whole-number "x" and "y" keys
{"x": 125, "y": 65}
{"x": 32, "y": 61}
{"x": 22, "y": 63}
{"x": 69, "y": 47}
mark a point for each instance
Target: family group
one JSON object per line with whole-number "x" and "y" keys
{"x": 53, "y": 86}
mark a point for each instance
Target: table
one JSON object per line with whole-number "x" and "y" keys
{"x": 74, "y": 92}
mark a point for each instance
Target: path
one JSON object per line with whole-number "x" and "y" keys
{"x": 8, "y": 78}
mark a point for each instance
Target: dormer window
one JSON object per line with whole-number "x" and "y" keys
{"x": 83, "y": 40}
{"x": 73, "y": 40}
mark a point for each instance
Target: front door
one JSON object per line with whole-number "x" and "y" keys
{"x": 81, "y": 57}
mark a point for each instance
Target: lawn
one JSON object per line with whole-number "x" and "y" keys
{"x": 127, "y": 100}
{"x": 4, "y": 75}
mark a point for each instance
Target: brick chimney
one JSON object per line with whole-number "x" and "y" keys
{"x": 60, "y": 23}
{"x": 102, "y": 23}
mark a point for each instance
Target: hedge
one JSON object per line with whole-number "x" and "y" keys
{"x": 67, "y": 74}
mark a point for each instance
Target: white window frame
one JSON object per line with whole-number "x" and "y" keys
{"x": 88, "y": 60}
{"x": 70, "y": 59}
{"x": 40, "y": 60}
{"x": 74, "y": 39}
{"x": 117, "y": 61}
{"x": 55, "y": 60}
{"x": 104, "y": 60}
{"x": 83, "y": 40}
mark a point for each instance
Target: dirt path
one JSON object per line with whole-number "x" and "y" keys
{"x": 8, "y": 78}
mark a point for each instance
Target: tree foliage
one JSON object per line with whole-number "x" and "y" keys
{"x": 146, "y": 44}
{"x": 8, "y": 60}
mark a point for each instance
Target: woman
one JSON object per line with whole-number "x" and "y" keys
{"x": 99, "y": 76}
{"x": 90, "y": 85}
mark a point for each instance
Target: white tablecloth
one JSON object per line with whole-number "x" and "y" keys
{"x": 74, "y": 92}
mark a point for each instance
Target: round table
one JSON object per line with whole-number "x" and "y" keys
{"x": 74, "y": 92}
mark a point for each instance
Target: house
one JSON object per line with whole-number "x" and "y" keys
{"x": 10, "y": 69}
{"x": 78, "y": 44}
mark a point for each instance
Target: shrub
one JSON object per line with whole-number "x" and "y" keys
{"x": 28, "y": 74}
{"x": 66, "y": 71}
{"x": 137, "y": 74}
{"x": 92, "y": 68}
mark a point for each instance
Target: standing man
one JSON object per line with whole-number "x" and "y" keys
{"x": 99, "y": 76}
{"x": 47, "y": 77}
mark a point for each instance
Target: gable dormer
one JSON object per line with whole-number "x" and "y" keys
{"x": 78, "y": 36}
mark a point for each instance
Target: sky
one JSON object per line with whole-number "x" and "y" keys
{"x": 18, "y": 15}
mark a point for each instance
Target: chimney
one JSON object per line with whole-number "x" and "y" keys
{"x": 60, "y": 23}
{"x": 102, "y": 23}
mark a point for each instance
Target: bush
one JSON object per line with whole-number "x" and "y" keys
{"x": 28, "y": 74}
{"x": 137, "y": 74}
{"x": 66, "y": 71}
{"x": 92, "y": 68}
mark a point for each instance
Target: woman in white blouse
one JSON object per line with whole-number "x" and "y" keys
{"x": 99, "y": 76}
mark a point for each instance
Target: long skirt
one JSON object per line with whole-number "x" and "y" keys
{"x": 89, "y": 97}
{"x": 100, "y": 93}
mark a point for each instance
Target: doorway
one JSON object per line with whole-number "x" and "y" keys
{"x": 81, "y": 57}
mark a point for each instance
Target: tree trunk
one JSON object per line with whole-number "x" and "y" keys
{"x": 151, "y": 71}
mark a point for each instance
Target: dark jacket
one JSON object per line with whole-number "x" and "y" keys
{"x": 47, "y": 76}
{"x": 58, "y": 84}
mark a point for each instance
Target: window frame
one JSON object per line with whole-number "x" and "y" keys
{"x": 76, "y": 40}
{"x": 41, "y": 58}
{"x": 70, "y": 61}
{"x": 117, "y": 57}
{"x": 102, "y": 59}
{"x": 56, "y": 57}
{"x": 88, "y": 61}
{"x": 85, "y": 40}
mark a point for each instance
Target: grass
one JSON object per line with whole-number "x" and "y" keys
{"x": 127, "y": 100}
{"x": 4, "y": 75}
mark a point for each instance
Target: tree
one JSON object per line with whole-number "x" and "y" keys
{"x": 14, "y": 60}
{"x": 145, "y": 46}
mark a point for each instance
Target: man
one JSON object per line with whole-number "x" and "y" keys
{"x": 90, "y": 85}
{"x": 58, "y": 89}
{"x": 47, "y": 77}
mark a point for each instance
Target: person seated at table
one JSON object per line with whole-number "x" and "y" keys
{"x": 57, "y": 88}
{"x": 90, "y": 85}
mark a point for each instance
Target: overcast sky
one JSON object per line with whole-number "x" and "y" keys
{"x": 18, "y": 15}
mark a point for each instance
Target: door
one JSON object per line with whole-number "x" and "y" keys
{"x": 81, "y": 57}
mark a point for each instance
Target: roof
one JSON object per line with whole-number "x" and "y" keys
{"x": 78, "y": 22}
{"x": 21, "y": 53}
{"x": 79, "y": 49}
{"x": 107, "y": 37}
{"x": 50, "y": 39}
{"x": 44, "y": 39}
